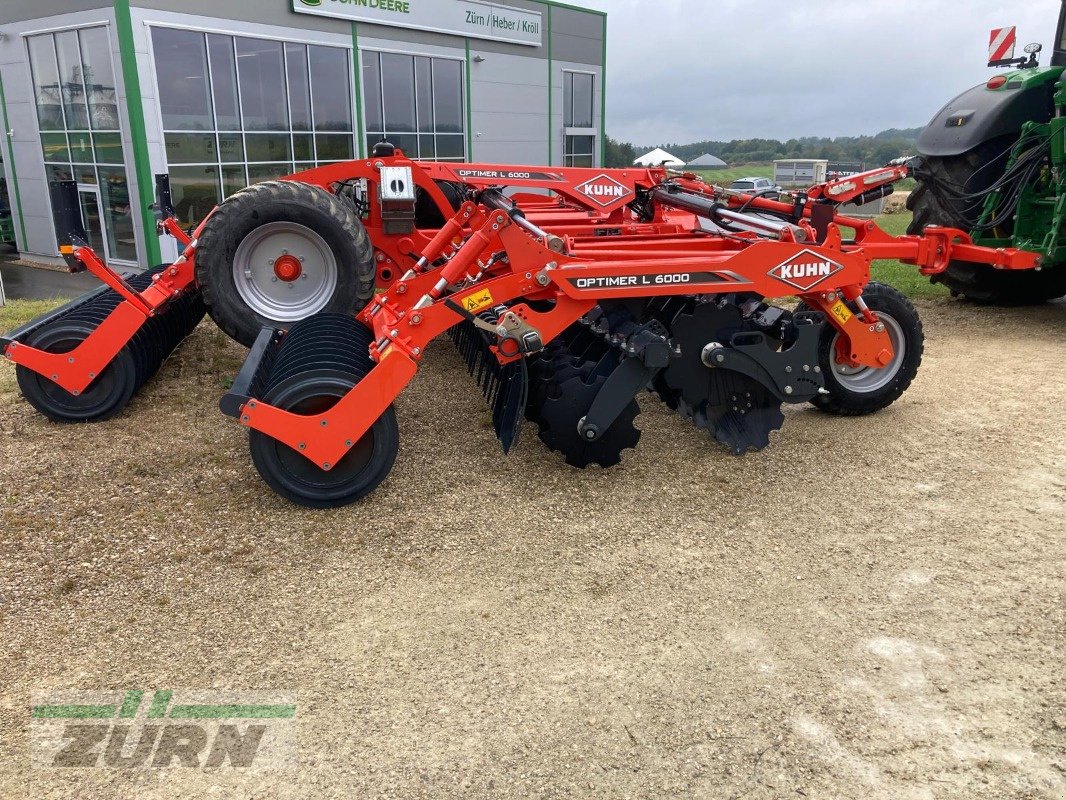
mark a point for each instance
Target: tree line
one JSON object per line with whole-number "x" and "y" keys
{"x": 871, "y": 150}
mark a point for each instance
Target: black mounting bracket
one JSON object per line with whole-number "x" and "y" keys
{"x": 793, "y": 374}
{"x": 647, "y": 349}
{"x": 70, "y": 228}
{"x": 245, "y": 384}
{"x": 164, "y": 204}
{"x": 621, "y": 386}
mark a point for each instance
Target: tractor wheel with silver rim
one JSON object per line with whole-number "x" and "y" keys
{"x": 854, "y": 391}
{"x": 281, "y": 251}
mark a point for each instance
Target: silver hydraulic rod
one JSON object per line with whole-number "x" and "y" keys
{"x": 522, "y": 222}
{"x": 710, "y": 209}
{"x": 759, "y": 224}
{"x": 493, "y": 198}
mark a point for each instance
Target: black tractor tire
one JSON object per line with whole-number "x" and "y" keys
{"x": 979, "y": 283}
{"x": 305, "y": 208}
{"x": 846, "y": 398}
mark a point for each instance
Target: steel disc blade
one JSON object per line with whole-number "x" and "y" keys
{"x": 741, "y": 413}
{"x": 708, "y": 322}
{"x": 562, "y": 413}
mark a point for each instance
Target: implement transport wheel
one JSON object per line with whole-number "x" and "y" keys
{"x": 278, "y": 252}
{"x": 980, "y": 283}
{"x": 854, "y": 391}
{"x": 294, "y": 477}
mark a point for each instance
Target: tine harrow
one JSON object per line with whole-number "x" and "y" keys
{"x": 505, "y": 386}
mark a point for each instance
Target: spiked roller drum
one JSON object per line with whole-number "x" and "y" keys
{"x": 127, "y": 372}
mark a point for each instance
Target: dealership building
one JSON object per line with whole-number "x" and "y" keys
{"x": 222, "y": 93}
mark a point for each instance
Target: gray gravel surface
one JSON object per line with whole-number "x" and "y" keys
{"x": 870, "y": 608}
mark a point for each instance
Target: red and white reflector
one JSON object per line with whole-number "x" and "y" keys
{"x": 1001, "y": 43}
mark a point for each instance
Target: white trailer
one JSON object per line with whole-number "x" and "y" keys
{"x": 799, "y": 173}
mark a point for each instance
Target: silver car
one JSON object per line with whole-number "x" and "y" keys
{"x": 761, "y": 186}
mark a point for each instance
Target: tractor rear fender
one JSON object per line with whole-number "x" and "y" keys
{"x": 981, "y": 114}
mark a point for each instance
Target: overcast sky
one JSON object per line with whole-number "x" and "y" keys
{"x": 689, "y": 70}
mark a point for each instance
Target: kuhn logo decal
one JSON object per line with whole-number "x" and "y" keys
{"x": 604, "y": 190}
{"x": 806, "y": 269}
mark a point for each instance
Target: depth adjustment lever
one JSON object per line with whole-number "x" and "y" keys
{"x": 514, "y": 335}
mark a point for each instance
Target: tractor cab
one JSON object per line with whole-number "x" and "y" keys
{"x": 1058, "y": 57}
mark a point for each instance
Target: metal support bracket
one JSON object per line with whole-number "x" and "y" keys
{"x": 244, "y": 385}
{"x": 622, "y": 385}
{"x": 793, "y": 375}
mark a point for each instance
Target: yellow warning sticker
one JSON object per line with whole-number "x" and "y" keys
{"x": 841, "y": 312}
{"x": 477, "y": 301}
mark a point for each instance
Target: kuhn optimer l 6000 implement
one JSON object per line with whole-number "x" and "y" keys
{"x": 568, "y": 291}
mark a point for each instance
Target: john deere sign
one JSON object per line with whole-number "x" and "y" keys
{"x": 474, "y": 18}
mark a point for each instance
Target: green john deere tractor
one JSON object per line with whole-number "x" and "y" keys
{"x": 993, "y": 162}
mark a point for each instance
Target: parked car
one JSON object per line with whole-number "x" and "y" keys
{"x": 761, "y": 186}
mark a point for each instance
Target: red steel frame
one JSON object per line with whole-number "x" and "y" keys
{"x": 603, "y": 239}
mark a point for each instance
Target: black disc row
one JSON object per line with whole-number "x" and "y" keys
{"x": 327, "y": 343}
{"x": 735, "y": 409}
{"x": 565, "y": 378}
{"x": 569, "y": 396}
{"x": 568, "y": 354}
{"x": 133, "y": 365}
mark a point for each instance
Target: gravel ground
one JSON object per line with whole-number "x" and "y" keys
{"x": 870, "y": 608}
{"x": 895, "y": 203}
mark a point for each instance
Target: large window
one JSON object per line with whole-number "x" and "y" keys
{"x": 238, "y": 110}
{"x": 77, "y": 114}
{"x": 577, "y": 119}
{"x": 416, "y": 102}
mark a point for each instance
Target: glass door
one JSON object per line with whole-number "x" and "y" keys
{"x": 92, "y": 218}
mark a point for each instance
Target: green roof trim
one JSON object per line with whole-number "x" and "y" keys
{"x": 557, "y": 4}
